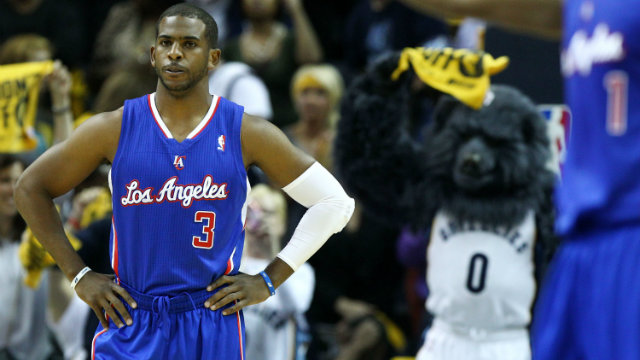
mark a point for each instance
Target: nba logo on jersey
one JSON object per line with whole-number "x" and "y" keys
{"x": 178, "y": 162}
{"x": 558, "y": 118}
{"x": 221, "y": 142}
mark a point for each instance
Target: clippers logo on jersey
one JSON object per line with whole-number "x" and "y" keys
{"x": 221, "y": 142}
{"x": 559, "y": 129}
{"x": 583, "y": 51}
{"x": 173, "y": 192}
{"x": 178, "y": 162}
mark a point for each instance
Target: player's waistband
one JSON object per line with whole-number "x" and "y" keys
{"x": 480, "y": 334}
{"x": 172, "y": 304}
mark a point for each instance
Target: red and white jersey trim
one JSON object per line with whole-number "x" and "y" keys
{"x": 203, "y": 123}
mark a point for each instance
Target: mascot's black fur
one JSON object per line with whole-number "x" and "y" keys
{"x": 487, "y": 166}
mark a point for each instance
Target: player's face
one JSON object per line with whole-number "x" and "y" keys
{"x": 181, "y": 55}
{"x": 8, "y": 178}
{"x": 313, "y": 104}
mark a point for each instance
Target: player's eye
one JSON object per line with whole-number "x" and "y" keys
{"x": 165, "y": 42}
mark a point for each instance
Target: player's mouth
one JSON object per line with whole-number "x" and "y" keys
{"x": 174, "y": 70}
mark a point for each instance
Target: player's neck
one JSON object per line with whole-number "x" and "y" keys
{"x": 183, "y": 107}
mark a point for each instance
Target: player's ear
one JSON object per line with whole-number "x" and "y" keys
{"x": 151, "y": 53}
{"x": 214, "y": 58}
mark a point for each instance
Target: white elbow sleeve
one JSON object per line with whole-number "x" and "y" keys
{"x": 329, "y": 210}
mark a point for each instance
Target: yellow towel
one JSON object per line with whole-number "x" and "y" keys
{"x": 98, "y": 208}
{"x": 19, "y": 90}
{"x": 462, "y": 73}
{"x": 35, "y": 258}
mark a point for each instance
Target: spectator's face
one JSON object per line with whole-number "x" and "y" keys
{"x": 313, "y": 104}
{"x": 263, "y": 218}
{"x": 181, "y": 55}
{"x": 260, "y": 9}
{"x": 8, "y": 178}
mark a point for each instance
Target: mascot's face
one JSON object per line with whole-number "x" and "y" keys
{"x": 495, "y": 150}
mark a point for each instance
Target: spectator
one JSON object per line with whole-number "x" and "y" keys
{"x": 316, "y": 91}
{"x": 228, "y": 15}
{"x": 24, "y": 334}
{"x": 57, "y": 20}
{"x": 238, "y": 82}
{"x": 274, "y": 51}
{"x": 376, "y": 27}
{"x": 53, "y": 117}
{"x": 276, "y": 328}
{"x": 125, "y": 38}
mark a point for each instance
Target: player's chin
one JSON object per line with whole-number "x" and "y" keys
{"x": 177, "y": 86}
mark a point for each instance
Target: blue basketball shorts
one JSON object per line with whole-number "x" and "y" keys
{"x": 177, "y": 327}
{"x": 589, "y": 304}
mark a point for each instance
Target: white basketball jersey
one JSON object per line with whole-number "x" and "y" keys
{"x": 481, "y": 277}
{"x": 272, "y": 326}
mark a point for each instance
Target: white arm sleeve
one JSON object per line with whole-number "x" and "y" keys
{"x": 329, "y": 209}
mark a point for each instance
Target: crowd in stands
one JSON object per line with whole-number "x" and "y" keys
{"x": 289, "y": 61}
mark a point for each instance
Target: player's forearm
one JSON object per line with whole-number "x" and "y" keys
{"x": 536, "y": 17}
{"x": 329, "y": 209}
{"x": 38, "y": 210}
{"x": 278, "y": 271}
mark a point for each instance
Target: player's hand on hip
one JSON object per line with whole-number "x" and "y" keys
{"x": 244, "y": 289}
{"x": 101, "y": 294}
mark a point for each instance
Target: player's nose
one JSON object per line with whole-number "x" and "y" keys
{"x": 175, "y": 52}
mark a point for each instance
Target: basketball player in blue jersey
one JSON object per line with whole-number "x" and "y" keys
{"x": 179, "y": 184}
{"x": 589, "y": 304}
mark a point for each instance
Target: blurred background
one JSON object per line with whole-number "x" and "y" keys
{"x": 289, "y": 61}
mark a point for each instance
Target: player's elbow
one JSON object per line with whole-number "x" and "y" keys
{"x": 23, "y": 191}
{"x": 343, "y": 206}
{"x": 347, "y": 206}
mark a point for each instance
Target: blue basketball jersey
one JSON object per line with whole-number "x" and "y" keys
{"x": 178, "y": 207}
{"x": 601, "y": 65}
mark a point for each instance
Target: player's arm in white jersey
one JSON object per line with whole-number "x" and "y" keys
{"x": 56, "y": 172}
{"x": 307, "y": 182}
{"x": 537, "y": 17}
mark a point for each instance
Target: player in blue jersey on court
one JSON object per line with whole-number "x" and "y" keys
{"x": 178, "y": 178}
{"x": 590, "y": 303}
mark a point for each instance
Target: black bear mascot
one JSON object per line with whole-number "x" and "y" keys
{"x": 479, "y": 179}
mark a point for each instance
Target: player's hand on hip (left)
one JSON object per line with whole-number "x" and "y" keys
{"x": 105, "y": 297}
{"x": 242, "y": 289}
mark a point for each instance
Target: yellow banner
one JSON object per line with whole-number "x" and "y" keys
{"x": 19, "y": 90}
{"x": 461, "y": 73}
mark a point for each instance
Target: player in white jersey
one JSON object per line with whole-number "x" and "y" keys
{"x": 276, "y": 328}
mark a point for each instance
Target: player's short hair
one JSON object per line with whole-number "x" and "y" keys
{"x": 193, "y": 12}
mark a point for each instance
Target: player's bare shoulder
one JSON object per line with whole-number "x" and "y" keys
{"x": 104, "y": 130}
{"x": 257, "y": 136}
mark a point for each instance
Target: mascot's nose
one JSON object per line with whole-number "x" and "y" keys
{"x": 471, "y": 162}
{"x": 475, "y": 158}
